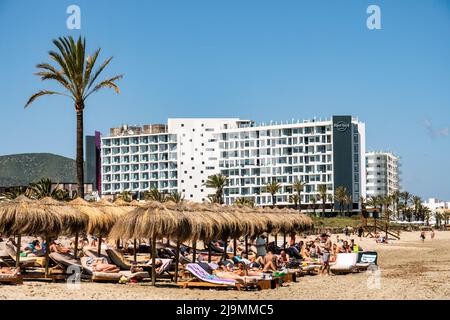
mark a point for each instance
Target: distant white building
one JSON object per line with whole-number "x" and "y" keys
{"x": 382, "y": 174}
{"x": 435, "y": 205}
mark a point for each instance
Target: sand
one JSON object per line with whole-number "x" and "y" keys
{"x": 409, "y": 269}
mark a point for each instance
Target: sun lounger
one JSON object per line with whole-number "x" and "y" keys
{"x": 345, "y": 263}
{"x": 65, "y": 260}
{"x": 10, "y": 278}
{"x": 24, "y": 261}
{"x": 92, "y": 252}
{"x": 118, "y": 259}
{"x": 204, "y": 279}
{"x": 109, "y": 276}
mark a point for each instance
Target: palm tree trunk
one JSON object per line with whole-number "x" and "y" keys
{"x": 323, "y": 209}
{"x": 80, "y": 152}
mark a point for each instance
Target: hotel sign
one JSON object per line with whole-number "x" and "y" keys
{"x": 341, "y": 126}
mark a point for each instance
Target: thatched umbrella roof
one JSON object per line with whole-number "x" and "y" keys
{"x": 149, "y": 220}
{"x": 72, "y": 221}
{"x": 196, "y": 221}
{"x": 23, "y": 216}
{"x": 100, "y": 222}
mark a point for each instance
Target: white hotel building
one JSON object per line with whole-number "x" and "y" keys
{"x": 382, "y": 173}
{"x": 181, "y": 156}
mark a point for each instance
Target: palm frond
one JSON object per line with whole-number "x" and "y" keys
{"x": 40, "y": 94}
{"x": 109, "y": 83}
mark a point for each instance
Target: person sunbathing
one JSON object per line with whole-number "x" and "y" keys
{"x": 283, "y": 258}
{"x": 34, "y": 248}
{"x": 8, "y": 270}
{"x": 269, "y": 262}
{"x": 101, "y": 265}
{"x": 58, "y": 248}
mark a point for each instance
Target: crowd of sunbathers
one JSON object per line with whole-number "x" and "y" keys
{"x": 262, "y": 258}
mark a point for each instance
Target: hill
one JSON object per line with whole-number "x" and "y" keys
{"x": 21, "y": 169}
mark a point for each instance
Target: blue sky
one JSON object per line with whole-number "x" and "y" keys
{"x": 264, "y": 60}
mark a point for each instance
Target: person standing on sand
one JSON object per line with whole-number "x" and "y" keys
{"x": 360, "y": 232}
{"x": 432, "y": 234}
{"x": 422, "y": 236}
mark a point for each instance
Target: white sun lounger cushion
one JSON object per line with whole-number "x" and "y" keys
{"x": 345, "y": 262}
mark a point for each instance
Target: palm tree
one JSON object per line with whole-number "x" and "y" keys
{"x": 74, "y": 72}
{"x": 417, "y": 202}
{"x": 273, "y": 188}
{"x": 13, "y": 193}
{"x": 298, "y": 186}
{"x": 243, "y": 201}
{"x": 155, "y": 195}
{"x": 396, "y": 201}
{"x": 295, "y": 199}
{"x": 348, "y": 201}
{"x": 323, "y": 196}
{"x": 218, "y": 182}
{"x": 125, "y": 196}
{"x": 313, "y": 201}
{"x": 331, "y": 201}
{"x": 362, "y": 203}
{"x": 426, "y": 212}
{"x": 339, "y": 195}
{"x": 373, "y": 201}
{"x": 176, "y": 197}
{"x": 405, "y": 196}
{"x": 44, "y": 188}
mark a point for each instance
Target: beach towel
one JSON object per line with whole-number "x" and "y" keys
{"x": 201, "y": 274}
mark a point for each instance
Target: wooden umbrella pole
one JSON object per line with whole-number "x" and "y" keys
{"x": 18, "y": 244}
{"x": 47, "y": 259}
{"x": 284, "y": 241}
{"x": 168, "y": 241}
{"x": 194, "y": 250}
{"x": 135, "y": 250}
{"x": 209, "y": 252}
{"x": 177, "y": 260}
{"x": 153, "y": 260}
{"x": 75, "y": 253}
{"x": 246, "y": 245}
{"x": 276, "y": 240}
{"x": 99, "y": 245}
{"x": 234, "y": 246}
{"x": 117, "y": 243}
{"x": 225, "y": 249}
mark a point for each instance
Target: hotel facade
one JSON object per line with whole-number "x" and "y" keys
{"x": 181, "y": 155}
{"x": 382, "y": 174}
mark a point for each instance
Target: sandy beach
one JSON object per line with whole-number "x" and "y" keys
{"x": 409, "y": 269}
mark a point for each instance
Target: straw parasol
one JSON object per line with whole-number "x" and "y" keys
{"x": 72, "y": 221}
{"x": 151, "y": 220}
{"x": 23, "y": 216}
